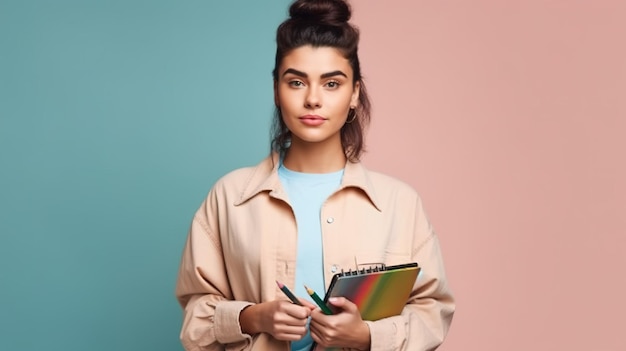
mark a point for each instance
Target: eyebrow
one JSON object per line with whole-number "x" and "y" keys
{"x": 304, "y": 75}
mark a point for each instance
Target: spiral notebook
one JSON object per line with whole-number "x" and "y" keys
{"x": 379, "y": 292}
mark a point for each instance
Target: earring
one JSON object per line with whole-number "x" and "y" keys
{"x": 351, "y": 115}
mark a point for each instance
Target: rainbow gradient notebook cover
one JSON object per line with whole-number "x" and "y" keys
{"x": 379, "y": 292}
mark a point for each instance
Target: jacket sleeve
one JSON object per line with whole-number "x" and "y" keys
{"x": 211, "y": 317}
{"x": 426, "y": 318}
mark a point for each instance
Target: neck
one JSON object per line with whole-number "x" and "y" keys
{"x": 314, "y": 158}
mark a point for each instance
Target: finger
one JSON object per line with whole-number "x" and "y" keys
{"x": 338, "y": 301}
{"x": 343, "y": 303}
{"x": 288, "y": 320}
{"x": 319, "y": 325}
{"x": 289, "y": 337}
{"x": 291, "y": 330}
{"x": 319, "y": 318}
{"x": 284, "y": 318}
{"x": 296, "y": 311}
{"x": 322, "y": 342}
{"x": 317, "y": 338}
{"x": 286, "y": 332}
{"x": 307, "y": 304}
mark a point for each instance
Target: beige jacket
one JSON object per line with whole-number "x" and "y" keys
{"x": 243, "y": 239}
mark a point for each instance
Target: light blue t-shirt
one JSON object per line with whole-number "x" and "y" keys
{"x": 307, "y": 193}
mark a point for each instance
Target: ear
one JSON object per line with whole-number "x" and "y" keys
{"x": 354, "y": 99}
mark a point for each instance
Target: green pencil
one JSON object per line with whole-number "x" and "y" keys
{"x": 318, "y": 301}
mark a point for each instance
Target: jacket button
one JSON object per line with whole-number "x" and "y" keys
{"x": 329, "y": 220}
{"x": 333, "y": 269}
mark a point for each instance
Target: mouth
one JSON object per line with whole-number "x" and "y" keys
{"x": 312, "y": 118}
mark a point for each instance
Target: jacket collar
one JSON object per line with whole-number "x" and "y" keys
{"x": 264, "y": 178}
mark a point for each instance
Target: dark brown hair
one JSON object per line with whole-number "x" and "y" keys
{"x": 323, "y": 23}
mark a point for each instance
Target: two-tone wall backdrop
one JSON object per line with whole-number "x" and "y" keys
{"x": 117, "y": 116}
{"x": 115, "y": 119}
{"x": 510, "y": 119}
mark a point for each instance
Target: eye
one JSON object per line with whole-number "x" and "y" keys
{"x": 332, "y": 84}
{"x": 296, "y": 84}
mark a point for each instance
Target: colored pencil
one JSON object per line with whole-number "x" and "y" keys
{"x": 318, "y": 301}
{"x": 289, "y": 294}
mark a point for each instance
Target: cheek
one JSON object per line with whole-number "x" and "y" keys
{"x": 281, "y": 97}
{"x": 344, "y": 102}
{"x": 287, "y": 102}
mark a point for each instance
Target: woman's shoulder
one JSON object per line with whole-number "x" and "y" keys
{"x": 382, "y": 180}
{"x": 242, "y": 174}
{"x": 387, "y": 188}
{"x": 244, "y": 177}
{"x": 388, "y": 191}
{"x": 235, "y": 176}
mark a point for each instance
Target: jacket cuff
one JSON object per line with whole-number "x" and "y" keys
{"x": 383, "y": 334}
{"x": 226, "y": 322}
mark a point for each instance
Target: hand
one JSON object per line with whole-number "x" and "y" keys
{"x": 282, "y": 319}
{"x": 344, "y": 329}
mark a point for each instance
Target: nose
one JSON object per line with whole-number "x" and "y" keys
{"x": 312, "y": 99}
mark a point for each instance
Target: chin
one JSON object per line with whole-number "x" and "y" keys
{"x": 313, "y": 139}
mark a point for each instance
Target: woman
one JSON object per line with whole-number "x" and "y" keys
{"x": 307, "y": 211}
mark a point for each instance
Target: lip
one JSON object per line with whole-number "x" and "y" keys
{"x": 312, "y": 120}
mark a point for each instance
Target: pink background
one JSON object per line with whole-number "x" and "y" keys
{"x": 509, "y": 118}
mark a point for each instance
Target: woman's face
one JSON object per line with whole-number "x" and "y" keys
{"x": 314, "y": 92}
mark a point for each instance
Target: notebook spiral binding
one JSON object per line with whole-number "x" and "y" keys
{"x": 378, "y": 267}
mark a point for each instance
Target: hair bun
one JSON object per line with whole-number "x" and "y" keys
{"x": 332, "y": 12}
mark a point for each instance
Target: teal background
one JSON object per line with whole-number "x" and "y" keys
{"x": 115, "y": 119}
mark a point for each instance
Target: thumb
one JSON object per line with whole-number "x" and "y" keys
{"x": 343, "y": 303}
